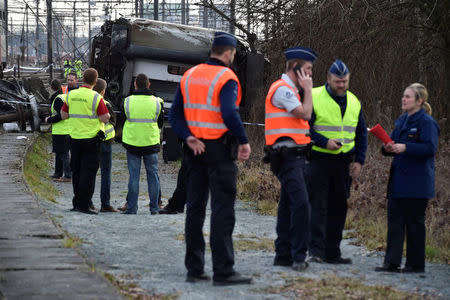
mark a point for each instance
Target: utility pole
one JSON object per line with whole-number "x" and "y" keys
{"x": 141, "y": 8}
{"x": 136, "y": 8}
{"x": 5, "y": 28}
{"x": 187, "y": 12}
{"x": 247, "y": 4}
{"x": 74, "y": 31}
{"x": 163, "y": 10}
{"x": 50, "y": 39}
{"x": 11, "y": 41}
{"x": 183, "y": 12}
{"x": 232, "y": 16}
{"x": 205, "y": 17}
{"x": 28, "y": 40}
{"x": 155, "y": 9}
{"x": 37, "y": 31}
{"x": 89, "y": 23}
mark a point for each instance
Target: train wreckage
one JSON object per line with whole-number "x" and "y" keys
{"x": 126, "y": 47}
{"x": 23, "y": 100}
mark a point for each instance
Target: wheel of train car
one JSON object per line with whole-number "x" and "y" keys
{"x": 21, "y": 117}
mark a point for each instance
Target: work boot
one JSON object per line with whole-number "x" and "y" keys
{"x": 233, "y": 279}
{"x": 338, "y": 260}
{"x": 282, "y": 261}
{"x": 388, "y": 268}
{"x": 167, "y": 211}
{"x": 197, "y": 278}
{"x": 108, "y": 208}
{"x": 411, "y": 269}
{"x": 124, "y": 207}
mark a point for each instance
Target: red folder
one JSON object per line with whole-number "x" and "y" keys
{"x": 381, "y": 134}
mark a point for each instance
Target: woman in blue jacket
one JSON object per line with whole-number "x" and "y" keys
{"x": 411, "y": 181}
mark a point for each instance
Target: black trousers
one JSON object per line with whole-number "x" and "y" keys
{"x": 178, "y": 199}
{"x": 206, "y": 175}
{"x": 406, "y": 215}
{"x": 61, "y": 146}
{"x": 294, "y": 211}
{"x": 84, "y": 163}
{"x": 329, "y": 188}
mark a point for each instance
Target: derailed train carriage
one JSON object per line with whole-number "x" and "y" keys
{"x": 163, "y": 51}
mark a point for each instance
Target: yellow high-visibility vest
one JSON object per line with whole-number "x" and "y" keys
{"x": 330, "y": 123}
{"x": 141, "y": 127}
{"x": 83, "y": 119}
{"x": 61, "y": 127}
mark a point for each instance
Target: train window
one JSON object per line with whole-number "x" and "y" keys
{"x": 176, "y": 70}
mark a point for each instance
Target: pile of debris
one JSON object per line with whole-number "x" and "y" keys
{"x": 23, "y": 102}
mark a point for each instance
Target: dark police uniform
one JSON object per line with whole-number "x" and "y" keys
{"x": 287, "y": 143}
{"x": 340, "y": 118}
{"x": 205, "y": 106}
{"x": 411, "y": 184}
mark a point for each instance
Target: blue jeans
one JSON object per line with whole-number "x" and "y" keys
{"x": 105, "y": 169}
{"x": 134, "y": 168}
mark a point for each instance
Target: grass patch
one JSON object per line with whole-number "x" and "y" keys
{"x": 180, "y": 237}
{"x": 131, "y": 290}
{"x": 37, "y": 166}
{"x": 254, "y": 243}
{"x": 71, "y": 242}
{"x": 334, "y": 287}
{"x": 258, "y": 187}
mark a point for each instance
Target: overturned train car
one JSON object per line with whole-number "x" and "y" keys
{"x": 163, "y": 51}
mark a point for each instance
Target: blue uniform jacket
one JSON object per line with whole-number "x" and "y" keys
{"x": 412, "y": 172}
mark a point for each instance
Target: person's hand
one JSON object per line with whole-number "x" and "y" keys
{"x": 399, "y": 148}
{"x": 46, "y": 118}
{"x": 195, "y": 144}
{"x": 304, "y": 80}
{"x": 244, "y": 152}
{"x": 389, "y": 147}
{"x": 333, "y": 144}
{"x": 355, "y": 169}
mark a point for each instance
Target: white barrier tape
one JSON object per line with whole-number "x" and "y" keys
{"x": 254, "y": 124}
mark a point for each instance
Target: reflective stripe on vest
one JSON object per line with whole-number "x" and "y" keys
{"x": 108, "y": 127}
{"x": 60, "y": 127}
{"x": 93, "y": 114}
{"x": 65, "y": 89}
{"x": 136, "y": 120}
{"x": 330, "y": 123}
{"x": 280, "y": 123}
{"x": 83, "y": 119}
{"x": 201, "y": 86}
{"x": 141, "y": 126}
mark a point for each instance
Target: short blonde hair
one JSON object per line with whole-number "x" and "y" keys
{"x": 421, "y": 93}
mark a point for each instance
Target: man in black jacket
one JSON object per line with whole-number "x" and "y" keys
{"x": 60, "y": 134}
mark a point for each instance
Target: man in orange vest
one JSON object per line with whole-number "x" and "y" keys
{"x": 72, "y": 83}
{"x": 204, "y": 113}
{"x": 288, "y": 109}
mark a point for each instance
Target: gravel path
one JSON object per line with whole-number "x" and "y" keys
{"x": 148, "y": 249}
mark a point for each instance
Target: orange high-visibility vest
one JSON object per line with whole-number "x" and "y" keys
{"x": 201, "y": 86}
{"x": 65, "y": 89}
{"x": 280, "y": 123}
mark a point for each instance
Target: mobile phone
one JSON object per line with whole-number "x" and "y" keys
{"x": 297, "y": 68}
{"x": 339, "y": 144}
